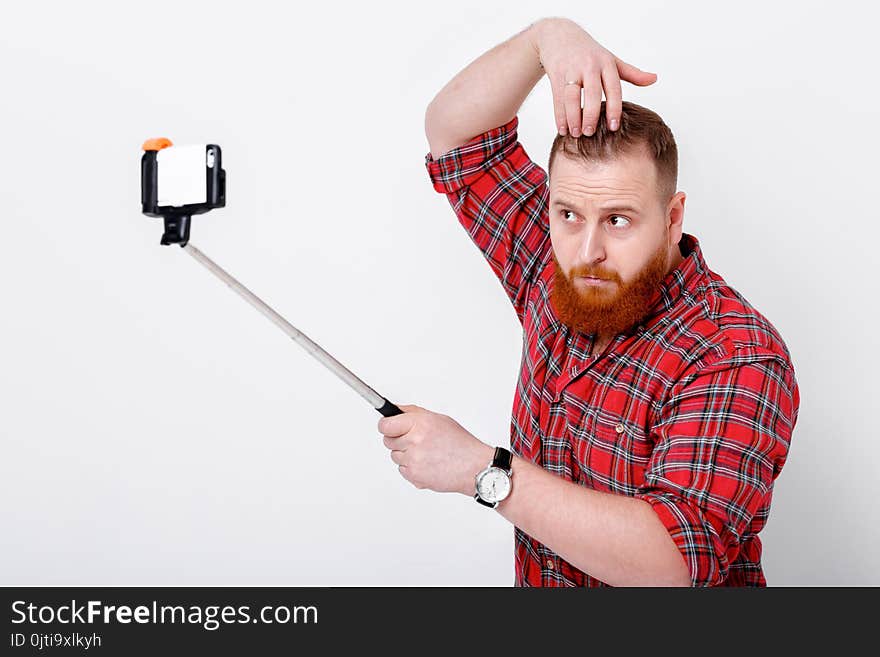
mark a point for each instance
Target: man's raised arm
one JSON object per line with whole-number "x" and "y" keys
{"x": 491, "y": 89}
{"x": 485, "y": 94}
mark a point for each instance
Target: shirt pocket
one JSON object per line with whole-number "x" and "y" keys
{"x": 616, "y": 455}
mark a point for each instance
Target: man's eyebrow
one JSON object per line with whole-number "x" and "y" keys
{"x": 615, "y": 206}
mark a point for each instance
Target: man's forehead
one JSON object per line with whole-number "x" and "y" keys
{"x": 628, "y": 173}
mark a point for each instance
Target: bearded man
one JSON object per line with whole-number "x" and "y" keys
{"x": 655, "y": 406}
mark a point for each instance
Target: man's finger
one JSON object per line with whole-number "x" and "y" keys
{"x": 557, "y": 86}
{"x": 397, "y": 425}
{"x": 613, "y": 97}
{"x": 634, "y": 75}
{"x": 400, "y": 444}
{"x": 571, "y": 100}
{"x": 592, "y": 104}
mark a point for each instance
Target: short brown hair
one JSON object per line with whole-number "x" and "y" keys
{"x": 639, "y": 127}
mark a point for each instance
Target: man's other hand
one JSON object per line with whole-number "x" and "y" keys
{"x": 434, "y": 451}
{"x": 568, "y": 53}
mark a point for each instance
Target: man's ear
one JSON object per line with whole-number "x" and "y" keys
{"x": 675, "y": 217}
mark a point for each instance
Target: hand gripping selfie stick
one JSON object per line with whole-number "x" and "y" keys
{"x": 194, "y": 182}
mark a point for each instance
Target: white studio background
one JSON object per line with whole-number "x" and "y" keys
{"x": 157, "y": 430}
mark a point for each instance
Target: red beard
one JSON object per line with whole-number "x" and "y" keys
{"x": 609, "y": 308}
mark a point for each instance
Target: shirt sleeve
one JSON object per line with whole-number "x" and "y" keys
{"x": 500, "y": 197}
{"x": 722, "y": 440}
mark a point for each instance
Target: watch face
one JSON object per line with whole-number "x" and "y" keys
{"x": 493, "y": 485}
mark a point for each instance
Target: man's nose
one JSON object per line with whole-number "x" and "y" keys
{"x": 592, "y": 250}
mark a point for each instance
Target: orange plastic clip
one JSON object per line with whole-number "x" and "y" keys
{"x": 157, "y": 144}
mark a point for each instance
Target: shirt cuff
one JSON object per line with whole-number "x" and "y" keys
{"x": 702, "y": 549}
{"x": 463, "y": 165}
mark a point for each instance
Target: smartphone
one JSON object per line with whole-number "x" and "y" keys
{"x": 180, "y": 181}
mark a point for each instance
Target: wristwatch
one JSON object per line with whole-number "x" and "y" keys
{"x": 493, "y": 483}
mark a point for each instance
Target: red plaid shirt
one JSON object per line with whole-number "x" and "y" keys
{"x": 692, "y": 411}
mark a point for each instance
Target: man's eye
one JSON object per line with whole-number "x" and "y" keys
{"x": 613, "y": 217}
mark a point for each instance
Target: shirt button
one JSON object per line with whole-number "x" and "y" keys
{"x": 549, "y": 564}
{"x": 619, "y": 428}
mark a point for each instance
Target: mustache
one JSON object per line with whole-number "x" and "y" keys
{"x": 595, "y": 273}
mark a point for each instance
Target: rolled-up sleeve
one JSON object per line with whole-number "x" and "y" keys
{"x": 722, "y": 438}
{"x": 500, "y": 197}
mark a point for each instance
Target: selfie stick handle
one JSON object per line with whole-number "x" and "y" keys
{"x": 376, "y": 400}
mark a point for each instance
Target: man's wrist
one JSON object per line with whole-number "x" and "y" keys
{"x": 537, "y": 30}
{"x": 533, "y": 33}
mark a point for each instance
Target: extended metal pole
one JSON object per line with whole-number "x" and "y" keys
{"x": 376, "y": 400}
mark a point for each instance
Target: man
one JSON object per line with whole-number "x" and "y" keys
{"x": 655, "y": 406}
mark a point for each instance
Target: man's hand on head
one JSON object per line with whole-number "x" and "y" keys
{"x": 570, "y": 55}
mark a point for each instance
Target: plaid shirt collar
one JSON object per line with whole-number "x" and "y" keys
{"x": 682, "y": 281}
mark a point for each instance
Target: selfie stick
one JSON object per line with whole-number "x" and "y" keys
{"x": 177, "y": 227}
{"x": 376, "y": 400}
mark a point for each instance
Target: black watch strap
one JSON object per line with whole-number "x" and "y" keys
{"x": 503, "y": 459}
{"x": 484, "y": 502}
